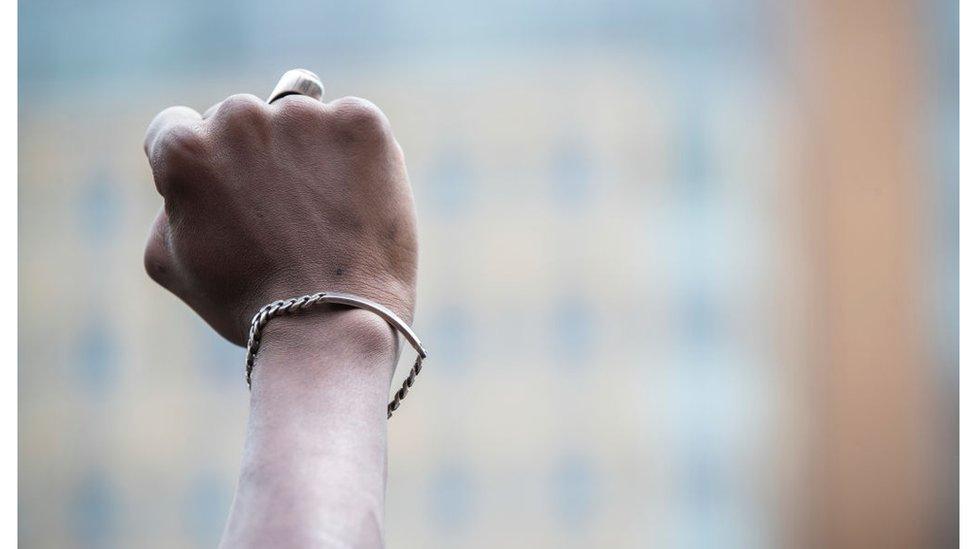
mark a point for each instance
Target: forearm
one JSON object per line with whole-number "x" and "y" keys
{"x": 314, "y": 465}
{"x": 271, "y": 200}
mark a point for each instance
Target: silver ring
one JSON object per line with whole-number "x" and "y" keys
{"x": 300, "y": 82}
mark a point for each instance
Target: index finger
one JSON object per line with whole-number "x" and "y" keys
{"x": 165, "y": 121}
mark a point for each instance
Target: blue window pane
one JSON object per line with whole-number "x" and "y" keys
{"x": 207, "y": 505}
{"x": 452, "y": 497}
{"x": 712, "y": 511}
{"x": 699, "y": 323}
{"x": 572, "y": 322}
{"x": 574, "y": 490}
{"x": 571, "y": 173}
{"x": 94, "y": 510}
{"x": 221, "y": 362}
{"x": 694, "y": 161}
{"x": 99, "y": 208}
{"x": 701, "y": 478}
{"x": 452, "y": 181}
{"x": 97, "y": 357}
{"x": 451, "y": 336}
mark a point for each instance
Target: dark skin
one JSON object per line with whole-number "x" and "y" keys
{"x": 268, "y": 201}
{"x": 265, "y": 202}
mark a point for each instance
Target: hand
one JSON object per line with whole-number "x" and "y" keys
{"x": 266, "y": 202}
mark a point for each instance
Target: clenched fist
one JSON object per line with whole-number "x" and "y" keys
{"x": 266, "y": 202}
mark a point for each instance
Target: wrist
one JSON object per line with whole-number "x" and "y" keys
{"x": 315, "y": 453}
{"x": 328, "y": 341}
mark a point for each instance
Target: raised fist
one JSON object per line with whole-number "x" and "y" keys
{"x": 271, "y": 201}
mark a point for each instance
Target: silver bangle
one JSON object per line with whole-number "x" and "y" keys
{"x": 296, "y": 304}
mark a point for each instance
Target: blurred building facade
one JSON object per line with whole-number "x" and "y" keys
{"x": 689, "y": 270}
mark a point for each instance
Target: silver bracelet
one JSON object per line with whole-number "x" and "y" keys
{"x": 296, "y": 304}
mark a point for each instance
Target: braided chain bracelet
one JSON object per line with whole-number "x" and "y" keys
{"x": 297, "y": 304}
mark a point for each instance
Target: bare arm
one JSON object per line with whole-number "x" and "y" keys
{"x": 314, "y": 467}
{"x": 265, "y": 202}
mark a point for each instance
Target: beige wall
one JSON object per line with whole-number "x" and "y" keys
{"x": 875, "y": 472}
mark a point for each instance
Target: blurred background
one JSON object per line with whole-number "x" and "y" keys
{"x": 689, "y": 269}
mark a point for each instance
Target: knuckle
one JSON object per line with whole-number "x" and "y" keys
{"x": 178, "y": 154}
{"x": 360, "y": 119}
{"x": 298, "y": 107}
{"x": 180, "y": 142}
{"x": 242, "y": 108}
{"x": 167, "y": 117}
